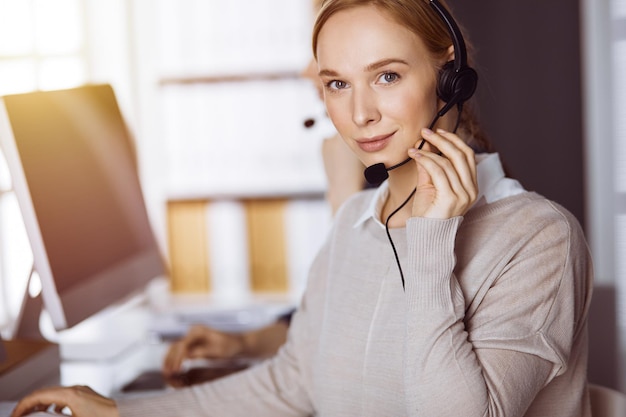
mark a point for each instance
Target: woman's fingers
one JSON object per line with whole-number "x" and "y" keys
{"x": 174, "y": 358}
{"x": 444, "y": 196}
{"x": 450, "y": 186}
{"x": 459, "y": 153}
{"x": 82, "y": 402}
{"x": 182, "y": 349}
{"x": 201, "y": 342}
{"x": 38, "y": 401}
{"x": 454, "y": 149}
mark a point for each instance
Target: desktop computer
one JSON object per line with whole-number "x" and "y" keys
{"x": 74, "y": 172}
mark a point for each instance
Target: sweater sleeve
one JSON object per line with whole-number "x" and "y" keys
{"x": 494, "y": 362}
{"x": 277, "y": 387}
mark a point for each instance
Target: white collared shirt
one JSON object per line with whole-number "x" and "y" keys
{"x": 492, "y": 186}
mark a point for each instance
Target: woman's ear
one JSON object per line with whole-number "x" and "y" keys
{"x": 450, "y": 53}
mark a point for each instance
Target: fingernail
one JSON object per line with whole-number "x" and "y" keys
{"x": 412, "y": 151}
{"x": 440, "y": 130}
{"x": 426, "y": 131}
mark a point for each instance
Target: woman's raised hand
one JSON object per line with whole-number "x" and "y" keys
{"x": 446, "y": 181}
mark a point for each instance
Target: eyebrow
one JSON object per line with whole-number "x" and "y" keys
{"x": 371, "y": 67}
{"x": 384, "y": 62}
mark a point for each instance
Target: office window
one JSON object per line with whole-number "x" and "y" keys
{"x": 42, "y": 47}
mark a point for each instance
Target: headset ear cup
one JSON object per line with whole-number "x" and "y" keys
{"x": 456, "y": 85}
{"x": 445, "y": 84}
{"x": 465, "y": 83}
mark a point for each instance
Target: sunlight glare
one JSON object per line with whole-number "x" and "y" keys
{"x": 16, "y": 37}
{"x": 56, "y": 73}
{"x": 17, "y": 76}
{"x": 58, "y": 26}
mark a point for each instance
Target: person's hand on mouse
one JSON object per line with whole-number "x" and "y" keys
{"x": 202, "y": 342}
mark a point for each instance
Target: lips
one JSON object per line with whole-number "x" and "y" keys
{"x": 375, "y": 143}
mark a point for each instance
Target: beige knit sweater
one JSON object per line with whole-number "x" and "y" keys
{"x": 492, "y": 323}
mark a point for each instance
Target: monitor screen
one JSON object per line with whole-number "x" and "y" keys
{"x": 74, "y": 172}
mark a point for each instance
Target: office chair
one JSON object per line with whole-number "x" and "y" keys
{"x": 606, "y": 402}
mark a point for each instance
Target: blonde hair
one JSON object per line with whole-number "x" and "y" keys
{"x": 422, "y": 20}
{"x": 415, "y": 15}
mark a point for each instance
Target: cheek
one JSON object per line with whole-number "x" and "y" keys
{"x": 411, "y": 104}
{"x": 411, "y": 111}
{"x": 416, "y": 102}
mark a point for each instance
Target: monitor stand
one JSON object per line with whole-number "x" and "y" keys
{"x": 92, "y": 340}
{"x": 27, "y": 326}
{"x": 27, "y": 323}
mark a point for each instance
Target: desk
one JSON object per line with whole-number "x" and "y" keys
{"x": 29, "y": 364}
{"x": 136, "y": 328}
{"x": 109, "y": 376}
{"x": 108, "y": 351}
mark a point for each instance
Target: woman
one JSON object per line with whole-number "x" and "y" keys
{"x": 479, "y": 306}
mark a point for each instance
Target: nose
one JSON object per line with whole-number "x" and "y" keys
{"x": 364, "y": 106}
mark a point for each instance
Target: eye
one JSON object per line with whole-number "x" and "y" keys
{"x": 336, "y": 85}
{"x": 389, "y": 77}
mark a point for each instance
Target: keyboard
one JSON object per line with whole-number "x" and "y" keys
{"x": 197, "y": 371}
{"x": 175, "y": 324}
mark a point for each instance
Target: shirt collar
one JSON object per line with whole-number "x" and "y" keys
{"x": 492, "y": 186}
{"x": 375, "y": 206}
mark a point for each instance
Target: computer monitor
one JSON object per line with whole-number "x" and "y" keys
{"x": 74, "y": 173}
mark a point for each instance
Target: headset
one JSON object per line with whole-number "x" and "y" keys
{"x": 456, "y": 83}
{"x": 457, "y": 80}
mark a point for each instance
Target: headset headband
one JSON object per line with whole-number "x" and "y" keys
{"x": 460, "y": 54}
